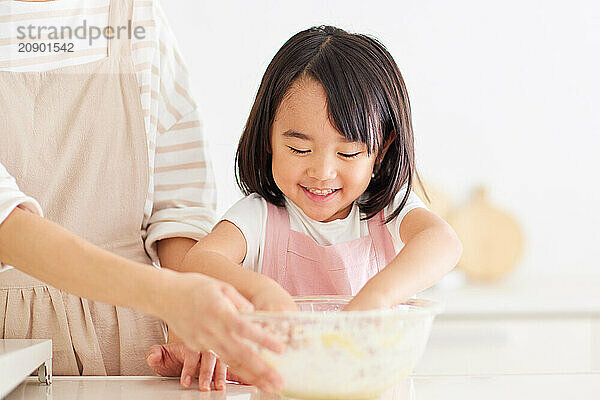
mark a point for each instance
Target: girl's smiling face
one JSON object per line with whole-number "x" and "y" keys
{"x": 313, "y": 164}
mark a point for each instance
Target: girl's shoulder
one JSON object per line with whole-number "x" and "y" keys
{"x": 249, "y": 214}
{"x": 252, "y": 200}
{"x": 251, "y": 207}
{"x": 393, "y": 226}
{"x": 413, "y": 201}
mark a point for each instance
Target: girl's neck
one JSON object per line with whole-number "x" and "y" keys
{"x": 291, "y": 204}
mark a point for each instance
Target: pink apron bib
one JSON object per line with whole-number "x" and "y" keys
{"x": 303, "y": 267}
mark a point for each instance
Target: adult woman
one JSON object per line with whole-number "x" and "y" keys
{"x": 101, "y": 140}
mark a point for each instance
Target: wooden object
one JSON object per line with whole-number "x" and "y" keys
{"x": 492, "y": 240}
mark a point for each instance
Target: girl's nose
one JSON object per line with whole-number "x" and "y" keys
{"x": 322, "y": 169}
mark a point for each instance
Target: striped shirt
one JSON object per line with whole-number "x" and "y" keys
{"x": 181, "y": 200}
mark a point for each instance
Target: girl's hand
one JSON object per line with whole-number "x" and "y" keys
{"x": 273, "y": 297}
{"x": 204, "y": 313}
{"x": 367, "y": 300}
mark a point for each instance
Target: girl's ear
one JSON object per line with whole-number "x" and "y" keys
{"x": 385, "y": 147}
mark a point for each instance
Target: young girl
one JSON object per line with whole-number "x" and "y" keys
{"x": 327, "y": 163}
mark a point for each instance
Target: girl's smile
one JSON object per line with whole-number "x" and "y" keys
{"x": 320, "y": 194}
{"x": 313, "y": 164}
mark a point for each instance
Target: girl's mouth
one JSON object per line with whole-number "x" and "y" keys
{"x": 319, "y": 194}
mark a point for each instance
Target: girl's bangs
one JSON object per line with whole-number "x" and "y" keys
{"x": 354, "y": 100}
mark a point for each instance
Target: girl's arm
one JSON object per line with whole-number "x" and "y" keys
{"x": 431, "y": 250}
{"x": 172, "y": 251}
{"x": 220, "y": 255}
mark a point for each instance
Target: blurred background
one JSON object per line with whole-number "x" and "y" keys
{"x": 505, "y": 97}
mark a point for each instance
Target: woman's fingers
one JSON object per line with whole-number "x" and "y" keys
{"x": 245, "y": 329}
{"x": 239, "y": 301}
{"x": 190, "y": 367}
{"x": 207, "y": 367}
{"x": 231, "y": 376}
{"x": 239, "y": 326}
{"x": 154, "y": 359}
{"x": 233, "y": 336}
{"x": 210, "y": 319}
{"x": 220, "y": 375}
{"x": 244, "y": 361}
{"x": 165, "y": 359}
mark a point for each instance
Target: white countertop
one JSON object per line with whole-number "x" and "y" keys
{"x": 19, "y": 357}
{"x": 513, "y": 387}
{"x": 517, "y": 295}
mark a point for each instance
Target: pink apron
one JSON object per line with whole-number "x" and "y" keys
{"x": 303, "y": 267}
{"x": 74, "y": 139}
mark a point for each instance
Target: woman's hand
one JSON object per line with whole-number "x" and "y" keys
{"x": 205, "y": 314}
{"x": 175, "y": 359}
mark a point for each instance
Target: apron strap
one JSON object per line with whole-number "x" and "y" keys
{"x": 276, "y": 242}
{"x": 382, "y": 240}
{"x": 120, "y": 17}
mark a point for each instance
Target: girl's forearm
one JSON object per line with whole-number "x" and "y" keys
{"x": 216, "y": 265}
{"x": 172, "y": 251}
{"x": 54, "y": 255}
{"x": 422, "y": 262}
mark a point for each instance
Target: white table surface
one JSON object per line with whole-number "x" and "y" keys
{"x": 517, "y": 296}
{"x": 521, "y": 386}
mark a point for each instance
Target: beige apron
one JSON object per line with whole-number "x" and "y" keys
{"x": 74, "y": 139}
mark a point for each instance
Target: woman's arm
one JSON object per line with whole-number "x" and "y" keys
{"x": 202, "y": 310}
{"x": 56, "y": 256}
{"x": 431, "y": 250}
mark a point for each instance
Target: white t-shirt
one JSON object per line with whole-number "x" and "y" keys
{"x": 250, "y": 216}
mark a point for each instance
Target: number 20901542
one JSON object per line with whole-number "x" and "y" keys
{"x": 46, "y": 47}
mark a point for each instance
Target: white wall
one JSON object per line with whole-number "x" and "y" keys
{"x": 505, "y": 94}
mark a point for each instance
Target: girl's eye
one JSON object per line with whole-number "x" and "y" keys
{"x": 296, "y": 151}
{"x": 350, "y": 155}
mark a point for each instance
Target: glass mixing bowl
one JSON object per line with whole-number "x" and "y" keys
{"x": 345, "y": 355}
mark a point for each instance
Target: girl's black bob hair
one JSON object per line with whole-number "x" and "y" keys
{"x": 367, "y": 102}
